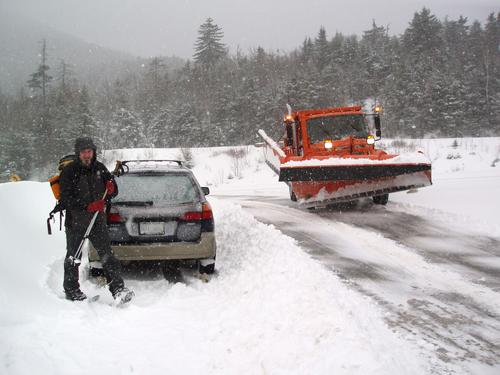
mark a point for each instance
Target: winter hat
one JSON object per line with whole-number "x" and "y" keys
{"x": 84, "y": 143}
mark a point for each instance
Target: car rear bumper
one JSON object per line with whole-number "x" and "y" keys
{"x": 205, "y": 248}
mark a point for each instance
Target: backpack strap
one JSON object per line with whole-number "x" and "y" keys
{"x": 59, "y": 207}
{"x": 61, "y": 215}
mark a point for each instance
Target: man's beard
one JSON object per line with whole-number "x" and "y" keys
{"x": 86, "y": 162}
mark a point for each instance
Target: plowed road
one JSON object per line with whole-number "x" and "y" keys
{"x": 439, "y": 286}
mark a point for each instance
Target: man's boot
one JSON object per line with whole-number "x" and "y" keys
{"x": 123, "y": 295}
{"x": 75, "y": 295}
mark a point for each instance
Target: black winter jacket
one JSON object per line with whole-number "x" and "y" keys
{"x": 80, "y": 186}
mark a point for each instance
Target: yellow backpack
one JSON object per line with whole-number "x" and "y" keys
{"x": 56, "y": 190}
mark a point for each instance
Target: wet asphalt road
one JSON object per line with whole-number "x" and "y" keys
{"x": 436, "y": 285}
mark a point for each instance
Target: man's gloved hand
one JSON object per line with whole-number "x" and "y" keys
{"x": 110, "y": 186}
{"x": 96, "y": 206}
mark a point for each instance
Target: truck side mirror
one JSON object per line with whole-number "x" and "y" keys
{"x": 289, "y": 134}
{"x": 378, "y": 131}
{"x": 205, "y": 190}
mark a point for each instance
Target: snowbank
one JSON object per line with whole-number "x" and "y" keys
{"x": 466, "y": 183}
{"x": 271, "y": 309}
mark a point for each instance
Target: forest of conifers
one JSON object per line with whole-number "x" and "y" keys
{"x": 439, "y": 78}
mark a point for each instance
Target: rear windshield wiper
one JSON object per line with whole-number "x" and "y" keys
{"x": 132, "y": 203}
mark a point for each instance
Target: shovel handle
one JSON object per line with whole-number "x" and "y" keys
{"x": 78, "y": 254}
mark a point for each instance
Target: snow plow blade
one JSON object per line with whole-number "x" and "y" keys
{"x": 348, "y": 172}
{"x": 316, "y": 185}
{"x": 321, "y": 193}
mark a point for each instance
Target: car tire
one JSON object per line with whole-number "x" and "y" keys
{"x": 171, "y": 271}
{"x": 209, "y": 269}
{"x": 381, "y": 199}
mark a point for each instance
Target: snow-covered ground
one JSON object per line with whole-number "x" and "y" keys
{"x": 272, "y": 308}
{"x": 466, "y": 183}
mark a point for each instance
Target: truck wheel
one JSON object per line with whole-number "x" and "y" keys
{"x": 293, "y": 197}
{"x": 381, "y": 199}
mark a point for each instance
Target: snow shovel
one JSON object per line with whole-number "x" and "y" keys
{"x": 76, "y": 258}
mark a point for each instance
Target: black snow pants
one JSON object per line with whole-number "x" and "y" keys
{"x": 100, "y": 240}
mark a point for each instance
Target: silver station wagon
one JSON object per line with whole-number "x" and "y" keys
{"x": 160, "y": 214}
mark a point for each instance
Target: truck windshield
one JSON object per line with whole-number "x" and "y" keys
{"x": 336, "y": 127}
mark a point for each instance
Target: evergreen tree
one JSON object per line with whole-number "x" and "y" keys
{"x": 321, "y": 50}
{"x": 422, "y": 45}
{"x": 423, "y": 35}
{"x": 376, "y": 59}
{"x": 159, "y": 132}
{"x": 492, "y": 69}
{"x": 475, "y": 80}
{"x": 65, "y": 76}
{"x": 127, "y": 129}
{"x": 185, "y": 128}
{"x": 85, "y": 123}
{"x": 455, "y": 61}
{"x": 209, "y": 48}
{"x": 40, "y": 79}
{"x": 156, "y": 81}
{"x": 307, "y": 51}
{"x": 124, "y": 127}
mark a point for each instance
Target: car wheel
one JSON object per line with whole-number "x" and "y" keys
{"x": 171, "y": 271}
{"x": 381, "y": 199}
{"x": 210, "y": 269}
{"x": 206, "y": 266}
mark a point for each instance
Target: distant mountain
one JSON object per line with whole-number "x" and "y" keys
{"x": 20, "y": 46}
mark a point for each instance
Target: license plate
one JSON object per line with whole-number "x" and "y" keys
{"x": 157, "y": 228}
{"x": 152, "y": 228}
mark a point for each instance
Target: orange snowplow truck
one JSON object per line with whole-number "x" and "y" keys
{"x": 329, "y": 155}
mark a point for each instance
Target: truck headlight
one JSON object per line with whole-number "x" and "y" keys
{"x": 370, "y": 140}
{"x": 328, "y": 144}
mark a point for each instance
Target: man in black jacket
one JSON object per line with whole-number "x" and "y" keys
{"x": 83, "y": 184}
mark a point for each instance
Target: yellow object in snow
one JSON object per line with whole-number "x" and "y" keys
{"x": 14, "y": 177}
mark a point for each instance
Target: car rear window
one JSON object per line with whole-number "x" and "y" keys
{"x": 160, "y": 189}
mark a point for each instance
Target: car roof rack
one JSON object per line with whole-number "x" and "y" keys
{"x": 178, "y": 162}
{"x": 122, "y": 166}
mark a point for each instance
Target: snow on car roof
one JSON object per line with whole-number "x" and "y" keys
{"x": 152, "y": 165}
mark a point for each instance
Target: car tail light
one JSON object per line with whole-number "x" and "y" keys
{"x": 115, "y": 217}
{"x": 206, "y": 212}
{"x": 191, "y": 216}
{"x": 206, "y": 217}
{"x": 207, "y": 222}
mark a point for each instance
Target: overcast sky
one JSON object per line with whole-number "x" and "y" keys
{"x": 169, "y": 27}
